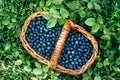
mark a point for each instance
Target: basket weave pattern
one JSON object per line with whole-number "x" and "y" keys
{"x": 53, "y": 63}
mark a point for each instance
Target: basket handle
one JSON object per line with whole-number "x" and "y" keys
{"x": 59, "y": 46}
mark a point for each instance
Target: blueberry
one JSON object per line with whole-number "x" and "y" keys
{"x": 66, "y": 61}
{"x": 70, "y": 56}
{"x": 72, "y": 52}
{"x": 76, "y": 42}
{"x": 68, "y": 51}
{"x": 79, "y": 60}
{"x": 81, "y": 46}
{"x": 70, "y": 66}
{"x": 70, "y": 60}
{"x": 48, "y": 48}
{"x": 60, "y": 77}
{"x": 66, "y": 65}
{"x": 77, "y": 56}
{"x": 44, "y": 45}
{"x": 63, "y": 58}
{"x": 72, "y": 63}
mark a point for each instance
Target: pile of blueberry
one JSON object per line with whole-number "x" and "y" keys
{"x": 42, "y": 39}
{"x": 76, "y": 51}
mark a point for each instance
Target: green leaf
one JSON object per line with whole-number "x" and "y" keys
{"x": 98, "y": 58}
{"x": 106, "y": 62}
{"x": 90, "y": 22}
{"x": 51, "y": 23}
{"x": 16, "y": 53}
{"x": 57, "y": 1}
{"x": 95, "y": 28}
{"x": 64, "y": 13}
{"x": 117, "y": 14}
{"x": 54, "y": 13}
{"x": 45, "y": 68}
{"x": 112, "y": 55}
{"x": 42, "y": 3}
{"x": 99, "y": 65}
{"x": 37, "y": 71}
{"x": 72, "y": 15}
{"x": 59, "y": 6}
{"x": 18, "y": 62}
{"x": 27, "y": 61}
{"x": 100, "y": 19}
{"x": 31, "y": 5}
{"x": 114, "y": 23}
{"x": 108, "y": 44}
{"x": 12, "y": 25}
{"x": 102, "y": 27}
{"x": 43, "y": 76}
{"x": 54, "y": 77}
{"x": 105, "y": 37}
{"x": 106, "y": 31}
{"x": 57, "y": 73}
{"x": 48, "y": 3}
{"x": 97, "y": 77}
{"x": 90, "y": 5}
{"x": 90, "y": 71}
{"x": 86, "y": 0}
{"x": 33, "y": 78}
{"x": 47, "y": 16}
{"x": 27, "y": 68}
{"x": 37, "y": 64}
{"x": 7, "y": 46}
{"x": 118, "y": 61}
{"x": 13, "y": 20}
{"x": 82, "y": 13}
{"x": 85, "y": 76}
{"x": 116, "y": 69}
{"x": 50, "y": 72}
{"x": 61, "y": 21}
{"x": 3, "y": 13}
{"x": 6, "y": 21}
{"x": 45, "y": 8}
{"x": 73, "y": 5}
{"x": 97, "y": 6}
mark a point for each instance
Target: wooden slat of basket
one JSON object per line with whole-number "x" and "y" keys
{"x": 59, "y": 46}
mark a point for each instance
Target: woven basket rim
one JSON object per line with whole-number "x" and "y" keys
{"x": 45, "y": 61}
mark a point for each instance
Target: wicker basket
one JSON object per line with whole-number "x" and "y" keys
{"x": 53, "y": 63}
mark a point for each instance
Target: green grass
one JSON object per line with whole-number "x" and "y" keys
{"x": 100, "y": 17}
